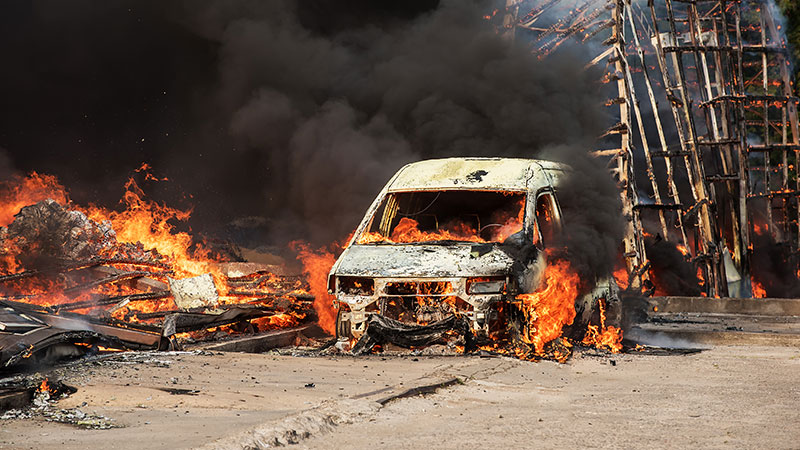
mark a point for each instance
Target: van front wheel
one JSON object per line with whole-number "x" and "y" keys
{"x": 342, "y": 326}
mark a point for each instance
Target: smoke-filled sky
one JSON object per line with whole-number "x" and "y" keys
{"x": 286, "y": 114}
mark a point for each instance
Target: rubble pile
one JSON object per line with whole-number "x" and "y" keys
{"x": 70, "y": 286}
{"x": 48, "y": 229}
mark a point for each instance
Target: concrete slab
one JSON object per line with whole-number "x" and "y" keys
{"x": 715, "y": 321}
{"x": 194, "y": 292}
{"x": 260, "y": 343}
{"x": 759, "y": 306}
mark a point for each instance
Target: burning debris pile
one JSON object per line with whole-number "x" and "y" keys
{"x": 132, "y": 270}
{"x": 88, "y": 280}
{"x": 91, "y": 280}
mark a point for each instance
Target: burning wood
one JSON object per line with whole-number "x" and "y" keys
{"x": 137, "y": 283}
{"x": 126, "y": 278}
{"x": 129, "y": 275}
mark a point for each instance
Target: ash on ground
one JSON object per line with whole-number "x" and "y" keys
{"x": 44, "y": 405}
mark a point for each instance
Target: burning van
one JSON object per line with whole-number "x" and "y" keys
{"x": 456, "y": 236}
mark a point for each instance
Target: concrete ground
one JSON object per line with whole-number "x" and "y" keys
{"x": 741, "y": 397}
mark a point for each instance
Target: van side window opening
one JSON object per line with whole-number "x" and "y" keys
{"x": 455, "y": 215}
{"x": 546, "y": 218}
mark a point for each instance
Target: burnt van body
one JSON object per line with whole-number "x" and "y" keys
{"x": 451, "y": 236}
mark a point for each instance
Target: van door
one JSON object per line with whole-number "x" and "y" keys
{"x": 548, "y": 223}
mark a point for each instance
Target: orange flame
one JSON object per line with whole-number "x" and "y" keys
{"x": 758, "y": 290}
{"x": 275, "y": 322}
{"x": 147, "y": 225}
{"x": 760, "y": 229}
{"x": 316, "y": 266}
{"x": 148, "y": 222}
{"x": 102, "y": 349}
{"x": 20, "y": 192}
{"x": 407, "y": 230}
{"x": 44, "y": 387}
{"x": 552, "y": 307}
{"x": 621, "y": 277}
{"x": 602, "y": 335}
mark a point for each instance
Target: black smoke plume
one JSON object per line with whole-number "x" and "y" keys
{"x": 671, "y": 272}
{"x": 773, "y": 266}
{"x": 291, "y": 115}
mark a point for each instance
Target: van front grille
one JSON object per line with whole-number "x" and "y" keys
{"x": 417, "y": 288}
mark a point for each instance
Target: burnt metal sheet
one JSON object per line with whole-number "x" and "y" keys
{"x": 124, "y": 334}
{"x": 186, "y": 321}
{"x": 12, "y": 321}
{"x": 30, "y": 334}
{"x": 422, "y": 261}
{"x": 468, "y": 173}
{"x": 69, "y": 321}
{"x": 37, "y": 345}
{"x": 263, "y": 342}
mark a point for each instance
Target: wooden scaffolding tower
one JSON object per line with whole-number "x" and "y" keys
{"x": 713, "y": 128}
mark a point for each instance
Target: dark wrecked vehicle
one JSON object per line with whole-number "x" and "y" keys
{"x": 456, "y": 236}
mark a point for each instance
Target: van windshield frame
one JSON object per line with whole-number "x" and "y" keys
{"x": 446, "y": 216}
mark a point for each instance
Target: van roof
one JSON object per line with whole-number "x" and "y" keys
{"x": 472, "y": 174}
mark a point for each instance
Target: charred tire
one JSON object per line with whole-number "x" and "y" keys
{"x": 342, "y": 326}
{"x": 516, "y": 325}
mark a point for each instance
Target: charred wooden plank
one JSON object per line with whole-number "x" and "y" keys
{"x": 258, "y": 279}
{"x": 184, "y": 321}
{"x": 160, "y": 314}
{"x": 79, "y": 265}
{"x": 107, "y": 280}
{"x": 110, "y": 301}
{"x": 270, "y": 295}
{"x": 111, "y": 261}
{"x": 15, "y": 398}
{"x": 658, "y": 206}
{"x": 260, "y": 343}
{"x": 147, "y": 284}
{"x": 19, "y": 276}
